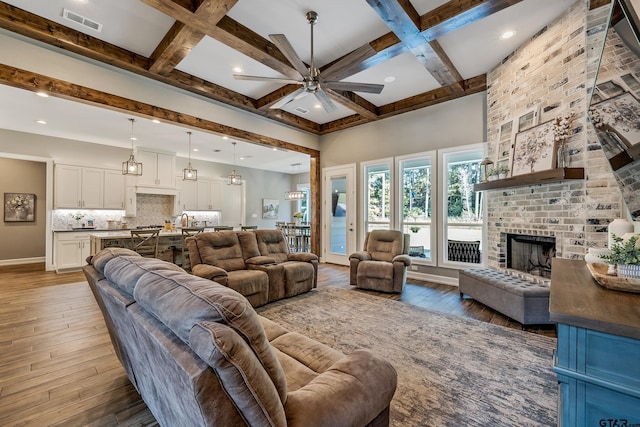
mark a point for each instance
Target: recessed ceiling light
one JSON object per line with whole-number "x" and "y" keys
{"x": 274, "y": 149}
{"x": 237, "y": 69}
{"x": 42, "y": 94}
{"x": 508, "y": 34}
{"x": 389, "y": 79}
{"x": 41, "y": 122}
{"x": 318, "y": 106}
{"x": 155, "y": 121}
{"x": 195, "y": 149}
{"x": 225, "y": 137}
{"x": 241, "y": 158}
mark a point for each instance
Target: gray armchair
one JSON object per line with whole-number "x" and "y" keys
{"x": 382, "y": 265}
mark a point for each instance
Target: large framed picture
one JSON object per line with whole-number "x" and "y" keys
{"x": 270, "y": 208}
{"x": 19, "y": 207}
{"x": 620, "y": 115}
{"x": 534, "y": 150}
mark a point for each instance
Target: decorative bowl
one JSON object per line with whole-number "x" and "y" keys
{"x": 599, "y": 272}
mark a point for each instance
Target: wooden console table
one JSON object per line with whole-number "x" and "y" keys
{"x": 598, "y": 354}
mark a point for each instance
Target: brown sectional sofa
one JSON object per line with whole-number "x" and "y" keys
{"x": 256, "y": 264}
{"x": 199, "y": 355}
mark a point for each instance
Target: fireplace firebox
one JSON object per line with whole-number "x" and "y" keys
{"x": 530, "y": 254}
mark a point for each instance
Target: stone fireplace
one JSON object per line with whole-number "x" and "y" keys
{"x": 530, "y": 254}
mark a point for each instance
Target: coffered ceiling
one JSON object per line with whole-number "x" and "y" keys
{"x": 422, "y": 51}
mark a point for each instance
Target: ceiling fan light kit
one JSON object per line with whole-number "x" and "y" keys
{"x": 311, "y": 81}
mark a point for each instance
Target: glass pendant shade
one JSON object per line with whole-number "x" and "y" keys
{"x": 234, "y": 178}
{"x": 131, "y": 166}
{"x": 189, "y": 173}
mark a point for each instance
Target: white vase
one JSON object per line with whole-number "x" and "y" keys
{"x": 619, "y": 227}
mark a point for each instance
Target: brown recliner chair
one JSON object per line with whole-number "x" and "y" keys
{"x": 299, "y": 270}
{"x": 218, "y": 256}
{"x": 382, "y": 266}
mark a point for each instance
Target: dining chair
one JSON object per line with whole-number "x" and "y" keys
{"x": 248, "y": 227}
{"x": 292, "y": 233}
{"x": 222, "y": 228}
{"x": 145, "y": 242}
{"x": 188, "y": 232}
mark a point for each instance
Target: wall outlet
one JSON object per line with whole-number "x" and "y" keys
{"x": 254, "y": 215}
{"x": 414, "y": 267}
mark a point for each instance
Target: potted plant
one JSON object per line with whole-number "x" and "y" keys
{"x": 414, "y": 228}
{"x": 492, "y": 174}
{"x": 502, "y": 172}
{"x": 625, "y": 255}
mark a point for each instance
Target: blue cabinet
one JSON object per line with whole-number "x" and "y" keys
{"x": 599, "y": 378}
{"x": 597, "y": 360}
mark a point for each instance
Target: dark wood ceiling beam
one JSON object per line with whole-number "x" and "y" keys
{"x": 269, "y": 99}
{"x": 404, "y": 21}
{"x": 230, "y": 33}
{"x": 354, "y": 102}
{"x": 27, "y": 80}
{"x": 456, "y": 14}
{"x": 436, "y": 96}
{"x": 173, "y": 48}
{"x": 35, "y": 27}
{"x": 594, "y": 4}
{"x": 426, "y": 99}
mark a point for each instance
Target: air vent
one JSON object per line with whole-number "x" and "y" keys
{"x": 79, "y": 19}
{"x": 301, "y": 110}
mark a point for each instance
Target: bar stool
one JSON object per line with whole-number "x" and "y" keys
{"x": 145, "y": 242}
{"x": 248, "y": 227}
{"x": 188, "y": 232}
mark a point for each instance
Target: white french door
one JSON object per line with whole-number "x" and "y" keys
{"x": 339, "y": 213}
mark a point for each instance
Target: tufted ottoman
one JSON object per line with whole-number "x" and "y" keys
{"x": 522, "y": 300}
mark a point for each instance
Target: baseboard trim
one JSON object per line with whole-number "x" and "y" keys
{"x": 444, "y": 280}
{"x": 21, "y": 261}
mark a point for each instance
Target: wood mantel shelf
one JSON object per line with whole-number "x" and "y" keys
{"x": 541, "y": 177}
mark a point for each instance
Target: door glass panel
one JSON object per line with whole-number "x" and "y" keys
{"x": 378, "y": 197}
{"x": 338, "y": 220}
{"x": 417, "y": 205}
{"x": 463, "y": 212}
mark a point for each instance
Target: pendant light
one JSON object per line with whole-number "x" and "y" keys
{"x": 294, "y": 194}
{"x": 131, "y": 167}
{"x": 234, "y": 178}
{"x": 189, "y": 173}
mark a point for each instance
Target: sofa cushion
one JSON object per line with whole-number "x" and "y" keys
{"x": 383, "y": 245}
{"x": 100, "y": 260}
{"x": 124, "y": 271}
{"x": 248, "y": 243}
{"x": 242, "y": 376}
{"x": 221, "y": 249}
{"x": 180, "y": 300}
{"x": 271, "y": 243}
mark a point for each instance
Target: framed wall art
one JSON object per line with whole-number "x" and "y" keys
{"x": 534, "y": 150}
{"x": 19, "y": 207}
{"x": 270, "y": 208}
{"x": 621, "y": 116}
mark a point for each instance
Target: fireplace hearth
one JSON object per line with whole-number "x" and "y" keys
{"x": 530, "y": 254}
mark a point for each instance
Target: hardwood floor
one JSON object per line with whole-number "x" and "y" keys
{"x": 57, "y": 365}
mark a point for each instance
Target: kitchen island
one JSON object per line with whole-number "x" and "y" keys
{"x": 169, "y": 243}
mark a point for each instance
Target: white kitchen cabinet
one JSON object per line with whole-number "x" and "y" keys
{"x": 158, "y": 170}
{"x": 114, "y": 189}
{"x": 189, "y": 196}
{"x": 201, "y": 195}
{"x": 71, "y": 249}
{"x": 233, "y": 208}
{"x": 130, "y": 201}
{"x": 78, "y": 187}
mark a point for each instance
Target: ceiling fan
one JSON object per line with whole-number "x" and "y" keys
{"x": 310, "y": 79}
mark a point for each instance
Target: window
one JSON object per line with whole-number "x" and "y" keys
{"x": 377, "y": 194}
{"x": 416, "y": 178}
{"x": 461, "y": 207}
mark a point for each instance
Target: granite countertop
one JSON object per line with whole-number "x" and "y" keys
{"x": 85, "y": 229}
{"x": 126, "y": 233}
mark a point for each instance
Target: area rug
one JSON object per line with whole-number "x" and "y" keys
{"x": 452, "y": 371}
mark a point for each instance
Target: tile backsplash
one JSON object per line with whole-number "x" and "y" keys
{"x": 151, "y": 209}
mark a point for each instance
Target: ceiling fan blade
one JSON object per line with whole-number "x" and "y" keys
{"x": 327, "y": 104}
{"x": 282, "y": 43}
{"x": 266, "y": 79}
{"x": 296, "y": 94}
{"x": 348, "y": 64}
{"x": 354, "y": 87}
